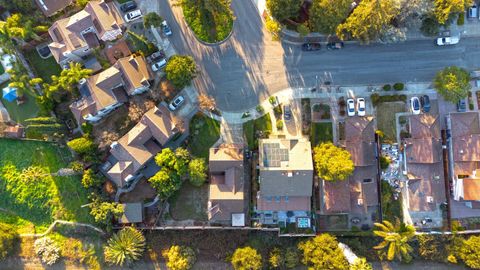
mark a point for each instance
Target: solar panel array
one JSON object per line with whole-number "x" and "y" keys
{"x": 274, "y": 155}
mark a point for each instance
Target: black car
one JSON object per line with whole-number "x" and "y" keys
{"x": 310, "y": 47}
{"x": 425, "y": 101}
{"x": 335, "y": 45}
{"x": 287, "y": 113}
{"x": 128, "y": 6}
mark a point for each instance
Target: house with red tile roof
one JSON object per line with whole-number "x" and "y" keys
{"x": 423, "y": 163}
{"x": 76, "y": 36}
{"x": 465, "y": 164}
{"x": 354, "y": 200}
{"x": 226, "y": 193}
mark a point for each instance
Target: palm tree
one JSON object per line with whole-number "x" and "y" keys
{"x": 125, "y": 247}
{"x": 396, "y": 239}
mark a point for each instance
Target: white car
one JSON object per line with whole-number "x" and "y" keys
{"x": 133, "y": 15}
{"x": 441, "y": 41}
{"x": 166, "y": 29}
{"x": 159, "y": 65}
{"x": 177, "y": 102}
{"x": 350, "y": 107}
{"x": 415, "y": 105}
{"x": 361, "y": 106}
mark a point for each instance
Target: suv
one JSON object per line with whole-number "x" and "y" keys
{"x": 287, "y": 113}
{"x": 133, "y": 15}
{"x": 441, "y": 41}
{"x": 425, "y": 102}
{"x": 166, "y": 29}
{"x": 350, "y": 107}
{"x": 128, "y": 6}
{"x": 177, "y": 102}
{"x": 159, "y": 65}
{"x": 415, "y": 105}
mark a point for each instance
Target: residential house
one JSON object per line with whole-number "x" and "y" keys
{"x": 75, "y": 37}
{"x": 424, "y": 190}
{"x": 226, "y": 195}
{"x": 355, "y": 200}
{"x": 286, "y": 179}
{"x": 133, "y": 151}
{"x": 107, "y": 90}
{"x": 132, "y": 213}
{"x": 52, "y": 7}
{"x": 465, "y": 160}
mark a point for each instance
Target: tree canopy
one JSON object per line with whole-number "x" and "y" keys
{"x": 332, "y": 163}
{"x": 284, "y": 9}
{"x": 165, "y": 182}
{"x": 82, "y": 145}
{"x": 103, "y": 212}
{"x": 8, "y": 239}
{"x": 246, "y": 258}
{"x": 326, "y": 15}
{"x": 361, "y": 264}
{"x": 125, "y": 247}
{"x": 445, "y": 8}
{"x": 395, "y": 239}
{"x": 322, "y": 252}
{"x": 197, "y": 171}
{"x": 470, "y": 252}
{"x": 368, "y": 20}
{"x": 181, "y": 70}
{"x": 453, "y": 83}
{"x": 179, "y": 257}
{"x": 152, "y": 19}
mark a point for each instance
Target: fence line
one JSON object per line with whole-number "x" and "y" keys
{"x": 63, "y": 222}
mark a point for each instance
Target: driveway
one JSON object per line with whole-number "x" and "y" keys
{"x": 249, "y": 66}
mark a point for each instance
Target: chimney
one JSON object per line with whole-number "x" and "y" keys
{"x": 113, "y": 145}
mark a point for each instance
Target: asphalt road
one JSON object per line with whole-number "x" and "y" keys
{"x": 250, "y": 67}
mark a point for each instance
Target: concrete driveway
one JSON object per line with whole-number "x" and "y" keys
{"x": 249, "y": 66}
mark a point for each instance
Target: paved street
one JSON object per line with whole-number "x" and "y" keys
{"x": 249, "y": 66}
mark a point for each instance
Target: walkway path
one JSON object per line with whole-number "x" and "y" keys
{"x": 63, "y": 222}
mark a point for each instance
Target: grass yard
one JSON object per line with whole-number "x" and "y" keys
{"x": 190, "y": 202}
{"x": 204, "y": 132}
{"x": 391, "y": 208}
{"x": 19, "y": 113}
{"x": 252, "y": 127}
{"x": 386, "y": 118}
{"x": 44, "y": 68}
{"x": 31, "y": 215}
{"x": 321, "y": 132}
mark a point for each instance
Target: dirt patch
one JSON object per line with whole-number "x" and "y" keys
{"x": 117, "y": 51}
{"x": 190, "y": 203}
{"x": 143, "y": 192}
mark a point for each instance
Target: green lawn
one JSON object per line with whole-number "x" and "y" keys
{"x": 321, "y": 132}
{"x": 250, "y": 128}
{"x": 204, "y": 132}
{"x": 44, "y": 68}
{"x": 70, "y": 193}
{"x": 190, "y": 202}
{"x": 19, "y": 113}
{"x": 386, "y": 118}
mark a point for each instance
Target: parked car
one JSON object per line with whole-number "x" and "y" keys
{"x": 350, "y": 107}
{"x": 128, "y": 6}
{"x": 133, "y": 15}
{"x": 155, "y": 56}
{"x": 335, "y": 45}
{"x": 425, "y": 103}
{"x": 177, "y": 102}
{"x": 311, "y": 47}
{"x": 287, "y": 112}
{"x": 159, "y": 65}
{"x": 415, "y": 105}
{"x": 462, "y": 105}
{"x": 166, "y": 29}
{"x": 361, "y": 106}
{"x": 441, "y": 41}
{"x": 472, "y": 12}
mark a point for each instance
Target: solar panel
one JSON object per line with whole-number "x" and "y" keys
{"x": 274, "y": 155}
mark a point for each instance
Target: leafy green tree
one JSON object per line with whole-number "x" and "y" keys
{"x": 82, "y": 145}
{"x": 470, "y": 252}
{"x": 445, "y": 8}
{"x": 181, "y": 69}
{"x": 246, "y": 258}
{"x": 8, "y": 239}
{"x": 197, "y": 171}
{"x": 179, "y": 257}
{"x": 176, "y": 162}
{"x": 125, "y": 247}
{"x": 326, "y": 15}
{"x": 165, "y": 182}
{"x": 90, "y": 179}
{"x": 332, "y": 163}
{"x": 67, "y": 80}
{"x": 104, "y": 212}
{"x": 322, "y": 252}
{"x": 368, "y": 20}
{"x": 284, "y": 9}
{"x": 361, "y": 264}
{"x": 273, "y": 27}
{"x": 453, "y": 83}
{"x": 152, "y": 19}
{"x": 395, "y": 239}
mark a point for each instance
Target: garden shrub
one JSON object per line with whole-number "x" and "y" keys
{"x": 40, "y": 131}
{"x": 433, "y": 247}
{"x": 470, "y": 252}
{"x": 398, "y": 86}
{"x": 8, "y": 240}
{"x": 279, "y": 124}
{"x": 260, "y": 109}
{"x": 291, "y": 258}
{"x": 272, "y": 100}
{"x": 277, "y": 110}
{"x": 387, "y": 87}
{"x": 461, "y": 19}
{"x": 276, "y": 259}
{"x": 47, "y": 250}
{"x": 179, "y": 257}
{"x": 384, "y": 162}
